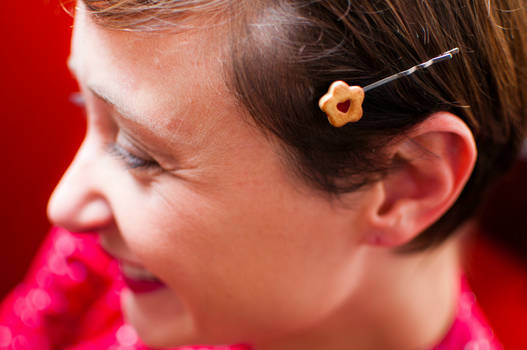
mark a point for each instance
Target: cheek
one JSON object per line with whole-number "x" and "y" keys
{"x": 240, "y": 261}
{"x": 264, "y": 259}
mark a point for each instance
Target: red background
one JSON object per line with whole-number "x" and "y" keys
{"x": 40, "y": 131}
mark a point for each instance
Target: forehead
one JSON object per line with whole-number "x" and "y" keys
{"x": 159, "y": 75}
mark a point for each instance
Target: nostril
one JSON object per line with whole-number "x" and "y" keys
{"x": 82, "y": 215}
{"x": 94, "y": 213}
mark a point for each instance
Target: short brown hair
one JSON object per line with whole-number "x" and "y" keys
{"x": 285, "y": 53}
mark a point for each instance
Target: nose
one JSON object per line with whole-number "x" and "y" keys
{"x": 78, "y": 203}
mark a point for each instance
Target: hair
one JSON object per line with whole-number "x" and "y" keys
{"x": 284, "y": 54}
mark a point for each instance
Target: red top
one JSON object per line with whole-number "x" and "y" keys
{"x": 70, "y": 300}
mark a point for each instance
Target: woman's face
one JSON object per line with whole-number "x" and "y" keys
{"x": 178, "y": 185}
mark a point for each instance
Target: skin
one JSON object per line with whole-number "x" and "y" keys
{"x": 248, "y": 252}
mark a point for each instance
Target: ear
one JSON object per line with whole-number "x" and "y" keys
{"x": 437, "y": 159}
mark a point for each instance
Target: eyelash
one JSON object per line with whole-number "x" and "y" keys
{"x": 130, "y": 160}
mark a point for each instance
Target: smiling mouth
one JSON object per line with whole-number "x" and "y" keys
{"x": 139, "y": 280}
{"x": 135, "y": 277}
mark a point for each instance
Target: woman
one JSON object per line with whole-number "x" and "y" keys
{"x": 238, "y": 214}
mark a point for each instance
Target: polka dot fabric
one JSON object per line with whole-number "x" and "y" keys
{"x": 469, "y": 330}
{"x": 70, "y": 300}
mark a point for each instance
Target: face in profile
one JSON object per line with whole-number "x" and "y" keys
{"x": 217, "y": 240}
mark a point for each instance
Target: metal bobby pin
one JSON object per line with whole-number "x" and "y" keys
{"x": 445, "y": 56}
{"x": 343, "y": 103}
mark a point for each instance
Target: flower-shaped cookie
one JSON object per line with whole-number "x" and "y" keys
{"x": 342, "y": 103}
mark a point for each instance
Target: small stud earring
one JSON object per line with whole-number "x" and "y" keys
{"x": 343, "y": 103}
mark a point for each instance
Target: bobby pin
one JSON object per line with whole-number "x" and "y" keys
{"x": 343, "y": 103}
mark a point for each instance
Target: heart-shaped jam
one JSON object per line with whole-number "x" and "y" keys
{"x": 344, "y": 106}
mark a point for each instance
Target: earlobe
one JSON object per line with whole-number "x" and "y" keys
{"x": 434, "y": 163}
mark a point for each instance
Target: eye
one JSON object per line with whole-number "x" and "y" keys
{"x": 77, "y": 99}
{"x": 130, "y": 160}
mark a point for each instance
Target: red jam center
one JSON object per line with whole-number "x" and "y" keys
{"x": 344, "y": 106}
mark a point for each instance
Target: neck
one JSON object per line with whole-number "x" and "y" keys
{"x": 403, "y": 301}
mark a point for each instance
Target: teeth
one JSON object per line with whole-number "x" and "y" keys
{"x": 137, "y": 273}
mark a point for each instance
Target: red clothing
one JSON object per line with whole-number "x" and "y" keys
{"x": 70, "y": 300}
{"x": 469, "y": 331}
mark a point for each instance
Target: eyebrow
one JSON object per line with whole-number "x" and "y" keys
{"x": 112, "y": 102}
{"x": 123, "y": 112}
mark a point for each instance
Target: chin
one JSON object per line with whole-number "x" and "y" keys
{"x": 161, "y": 321}
{"x": 162, "y": 340}
{"x": 158, "y": 324}
{"x": 171, "y": 338}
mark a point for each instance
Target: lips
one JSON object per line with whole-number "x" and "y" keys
{"x": 139, "y": 280}
{"x": 136, "y": 277}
